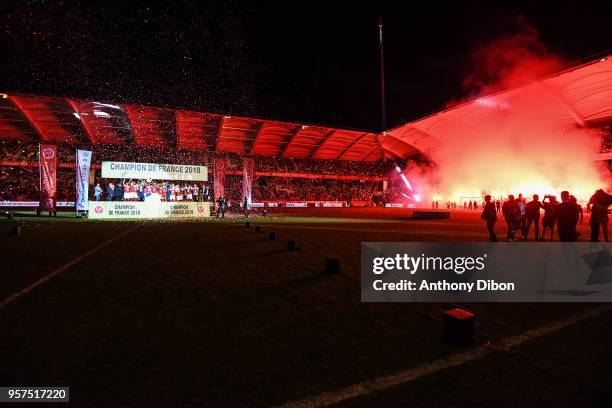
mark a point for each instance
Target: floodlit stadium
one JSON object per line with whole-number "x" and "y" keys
{"x": 359, "y": 168}
{"x": 156, "y": 256}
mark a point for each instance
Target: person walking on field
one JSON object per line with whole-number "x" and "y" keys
{"x": 490, "y": 216}
{"x": 522, "y": 222}
{"x": 511, "y": 213}
{"x": 532, "y": 215}
{"x": 574, "y": 200}
{"x": 567, "y": 215}
{"x": 598, "y": 207}
{"x": 548, "y": 221}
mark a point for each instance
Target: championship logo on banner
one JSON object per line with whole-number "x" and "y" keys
{"x": 219, "y": 182}
{"x": 248, "y": 167}
{"x": 144, "y": 209}
{"x": 154, "y": 171}
{"x": 83, "y": 164}
{"x": 47, "y": 162}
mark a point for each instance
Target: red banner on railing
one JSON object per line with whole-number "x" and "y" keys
{"x": 219, "y": 179}
{"x": 47, "y": 158}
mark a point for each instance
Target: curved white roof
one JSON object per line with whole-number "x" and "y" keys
{"x": 578, "y": 96}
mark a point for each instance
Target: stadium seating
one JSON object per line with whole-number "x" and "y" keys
{"x": 279, "y": 178}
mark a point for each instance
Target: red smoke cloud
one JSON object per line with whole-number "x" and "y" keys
{"x": 510, "y": 61}
{"x": 510, "y": 143}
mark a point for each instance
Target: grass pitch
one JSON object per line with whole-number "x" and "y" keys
{"x": 210, "y": 313}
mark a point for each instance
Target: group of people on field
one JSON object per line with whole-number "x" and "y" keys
{"x": 519, "y": 215}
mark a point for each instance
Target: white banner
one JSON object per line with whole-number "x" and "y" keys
{"x": 33, "y": 203}
{"x": 20, "y": 203}
{"x": 336, "y": 204}
{"x": 143, "y": 209}
{"x": 248, "y": 171}
{"x": 83, "y": 163}
{"x": 154, "y": 171}
{"x": 296, "y": 205}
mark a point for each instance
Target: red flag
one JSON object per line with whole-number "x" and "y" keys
{"x": 47, "y": 164}
{"x": 219, "y": 176}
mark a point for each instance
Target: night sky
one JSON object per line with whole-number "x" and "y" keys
{"x": 304, "y": 62}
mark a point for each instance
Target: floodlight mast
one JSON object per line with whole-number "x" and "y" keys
{"x": 382, "y": 77}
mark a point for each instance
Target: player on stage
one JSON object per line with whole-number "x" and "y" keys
{"x": 196, "y": 191}
{"x": 97, "y": 192}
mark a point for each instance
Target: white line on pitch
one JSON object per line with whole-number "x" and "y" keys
{"x": 380, "y": 383}
{"x": 24, "y": 291}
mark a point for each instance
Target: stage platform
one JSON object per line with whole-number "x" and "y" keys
{"x": 147, "y": 209}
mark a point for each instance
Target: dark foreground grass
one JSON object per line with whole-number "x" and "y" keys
{"x": 211, "y": 313}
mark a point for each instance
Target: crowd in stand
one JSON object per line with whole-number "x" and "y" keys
{"x": 377, "y": 168}
{"x": 307, "y": 166}
{"x": 395, "y": 193}
{"x": 301, "y": 189}
{"x": 233, "y": 188}
{"x": 102, "y": 153}
{"x": 18, "y": 184}
{"x": 267, "y": 188}
{"x": 25, "y": 152}
{"x": 267, "y": 164}
{"x": 18, "y": 152}
{"x": 22, "y": 183}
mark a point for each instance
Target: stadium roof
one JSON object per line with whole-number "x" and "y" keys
{"x": 69, "y": 121}
{"x": 581, "y": 95}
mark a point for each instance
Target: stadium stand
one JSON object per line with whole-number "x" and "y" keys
{"x": 292, "y": 161}
{"x": 279, "y": 179}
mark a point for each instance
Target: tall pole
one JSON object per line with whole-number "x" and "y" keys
{"x": 382, "y": 77}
